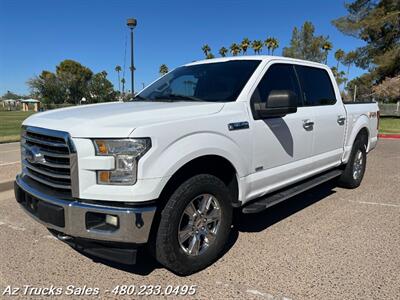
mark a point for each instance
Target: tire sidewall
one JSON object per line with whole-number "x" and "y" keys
{"x": 171, "y": 216}
{"x": 358, "y": 145}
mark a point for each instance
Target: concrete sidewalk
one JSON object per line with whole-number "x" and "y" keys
{"x": 10, "y": 166}
{"x": 326, "y": 243}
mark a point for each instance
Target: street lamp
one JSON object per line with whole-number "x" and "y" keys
{"x": 132, "y": 24}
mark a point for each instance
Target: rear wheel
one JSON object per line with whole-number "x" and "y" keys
{"x": 355, "y": 167}
{"x": 194, "y": 225}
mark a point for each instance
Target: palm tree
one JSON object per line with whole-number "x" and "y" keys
{"x": 268, "y": 44}
{"x": 118, "y": 69}
{"x": 223, "y": 51}
{"x": 206, "y": 49}
{"x": 257, "y": 46}
{"x": 244, "y": 45}
{"x": 273, "y": 44}
{"x": 235, "y": 49}
{"x": 163, "y": 69}
{"x": 123, "y": 86}
{"x": 210, "y": 55}
{"x": 348, "y": 60}
{"x": 339, "y": 55}
{"x": 326, "y": 46}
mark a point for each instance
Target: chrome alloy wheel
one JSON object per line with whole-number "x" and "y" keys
{"x": 199, "y": 224}
{"x": 358, "y": 165}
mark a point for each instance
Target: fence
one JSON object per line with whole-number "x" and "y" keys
{"x": 389, "y": 109}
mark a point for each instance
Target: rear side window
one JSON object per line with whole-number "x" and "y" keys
{"x": 277, "y": 77}
{"x": 316, "y": 86}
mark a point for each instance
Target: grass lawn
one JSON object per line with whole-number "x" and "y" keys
{"x": 389, "y": 125}
{"x": 10, "y": 124}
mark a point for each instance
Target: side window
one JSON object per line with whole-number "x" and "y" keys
{"x": 277, "y": 77}
{"x": 316, "y": 86}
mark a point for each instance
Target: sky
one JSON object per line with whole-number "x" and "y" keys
{"x": 38, "y": 35}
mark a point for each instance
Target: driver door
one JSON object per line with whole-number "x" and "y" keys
{"x": 282, "y": 146}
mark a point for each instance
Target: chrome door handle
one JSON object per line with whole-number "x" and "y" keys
{"x": 308, "y": 124}
{"x": 341, "y": 119}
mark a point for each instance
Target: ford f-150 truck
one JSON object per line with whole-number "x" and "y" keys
{"x": 168, "y": 168}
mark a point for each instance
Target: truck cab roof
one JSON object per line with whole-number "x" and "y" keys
{"x": 259, "y": 57}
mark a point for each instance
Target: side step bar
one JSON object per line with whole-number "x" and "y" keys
{"x": 269, "y": 200}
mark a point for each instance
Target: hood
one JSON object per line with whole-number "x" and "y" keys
{"x": 118, "y": 119}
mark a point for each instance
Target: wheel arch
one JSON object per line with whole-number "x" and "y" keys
{"x": 360, "y": 129}
{"x": 212, "y": 164}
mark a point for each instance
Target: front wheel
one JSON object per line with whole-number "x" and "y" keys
{"x": 194, "y": 225}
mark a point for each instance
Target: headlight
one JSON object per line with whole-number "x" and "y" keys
{"x": 126, "y": 153}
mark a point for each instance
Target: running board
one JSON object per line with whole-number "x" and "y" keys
{"x": 269, "y": 200}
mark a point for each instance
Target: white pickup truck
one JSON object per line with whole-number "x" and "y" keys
{"x": 168, "y": 168}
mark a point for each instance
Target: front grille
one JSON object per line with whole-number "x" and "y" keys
{"x": 46, "y": 157}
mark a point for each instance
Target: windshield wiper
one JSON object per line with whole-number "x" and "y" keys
{"x": 177, "y": 97}
{"x": 138, "y": 97}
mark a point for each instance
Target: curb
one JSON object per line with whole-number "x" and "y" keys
{"x": 6, "y": 185}
{"x": 389, "y": 136}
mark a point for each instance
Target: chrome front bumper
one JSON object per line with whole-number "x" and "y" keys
{"x": 134, "y": 222}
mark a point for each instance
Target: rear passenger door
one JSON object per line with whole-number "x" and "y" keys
{"x": 329, "y": 115}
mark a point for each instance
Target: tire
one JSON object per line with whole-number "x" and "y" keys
{"x": 354, "y": 169}
{"x": 183, "y": 256}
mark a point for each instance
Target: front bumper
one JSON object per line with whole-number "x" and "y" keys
{"x": 70, "y": 216}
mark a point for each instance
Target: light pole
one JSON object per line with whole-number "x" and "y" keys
{"x": 132, "y": 24}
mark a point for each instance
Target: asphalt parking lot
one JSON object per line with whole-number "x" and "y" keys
{"x": 327, "y": 243}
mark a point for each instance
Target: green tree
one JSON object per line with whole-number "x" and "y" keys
{"x": 244, "y": 45}
{"x": 49, "y": 88}
{"x": 118, "y": 69}
{"x": 75, "y": 79}
{"x": 339, "y": 56}
{"x": 271, "y": 43}
{"x": 206, "y": 49}
{"x": 257, "y": 46}
{"x": 377, "y": 23}
{"x": 364, "y": 85}
{"x": 304, "y": 44}
{"x": 235, "y": 49}
{"x": 11, "y": 95}
{"x": 223, "y": 51}
{"x": 163, "y": 69}
{"x": 70, "y": 83}
{"x": 339, "y": 76}
{"x": 326, "y": 47}
{"x": 349, "y": 59}
{"x": 100, "y": 89}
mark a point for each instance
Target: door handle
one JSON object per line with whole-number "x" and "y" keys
{"x": 308, "y": 124}
{"x": 341, "y": 119}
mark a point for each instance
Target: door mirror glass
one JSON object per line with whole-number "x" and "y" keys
{"x": 278, "y": 104}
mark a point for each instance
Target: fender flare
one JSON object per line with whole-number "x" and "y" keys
{"x": 195, "y": 145}
{"x": 362, "y": 122}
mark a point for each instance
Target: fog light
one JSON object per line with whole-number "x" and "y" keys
{"x": 112, "y": 220}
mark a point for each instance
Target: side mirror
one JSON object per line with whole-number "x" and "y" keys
{"x": 278, "y": 104}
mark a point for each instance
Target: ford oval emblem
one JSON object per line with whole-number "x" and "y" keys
{"x": 34, "y": 156}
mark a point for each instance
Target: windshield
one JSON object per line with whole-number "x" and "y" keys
{"x": 215, "y": 82}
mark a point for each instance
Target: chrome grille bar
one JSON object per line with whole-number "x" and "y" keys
{"x": 51, "y": 154}
{"x": 46, "y": 173}
{"x": 47, "y": 143}
{"x": 37, "y": 178}
{"x": 49, "y": 158}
